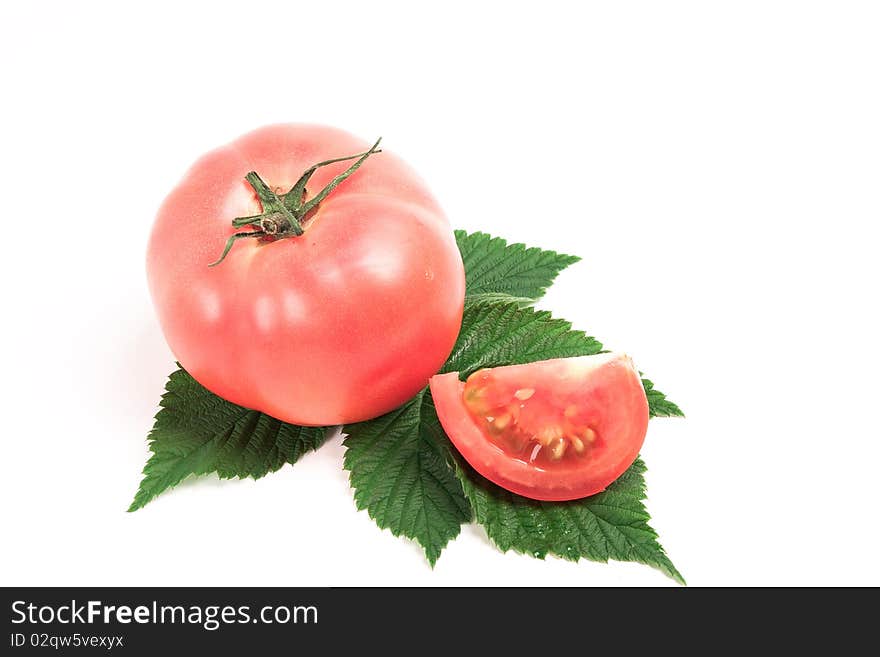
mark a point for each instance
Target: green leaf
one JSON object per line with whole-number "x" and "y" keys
{"x": 499, "y": 330}
{"x": 610, "y": 525}
{"x": 658, "y": 404}
{"x": 400, "y": 468}
{"x": 495, "y": 334}
{"x": 483, "y": 298}
{"x": 196, "y": 432}
{"x": 493, "y": 265}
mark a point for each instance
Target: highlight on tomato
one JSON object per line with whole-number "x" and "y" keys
{"x": 552, "y": 430}
{"x": 300, "y": 272}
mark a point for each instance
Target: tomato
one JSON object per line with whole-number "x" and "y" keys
{"x": 553, "y": 430}
{"x": 340, "y": 323}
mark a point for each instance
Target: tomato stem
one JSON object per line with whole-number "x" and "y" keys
{"x": 272, "y": 204}
{"x": 294, "y": 198}
{"x": 232, "y": 240}
{"x": 283, "y": 215}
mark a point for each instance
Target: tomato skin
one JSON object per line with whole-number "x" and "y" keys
{"x": 341, "y": 324}
{"x": 607, "y": 384}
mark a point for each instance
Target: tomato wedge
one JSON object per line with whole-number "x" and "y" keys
{"x": 553, "y": 430}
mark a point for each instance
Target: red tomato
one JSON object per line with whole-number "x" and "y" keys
{"x": 552, "y": 430}
{"x": 339, "y": 324}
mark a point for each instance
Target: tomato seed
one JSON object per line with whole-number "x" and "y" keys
{"x": 557, "y": 448}
{"x": 501, "y": 421}
{"x": 549, "y": 433}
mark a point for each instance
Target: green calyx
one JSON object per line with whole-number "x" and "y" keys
{"x": 283, "y": 215}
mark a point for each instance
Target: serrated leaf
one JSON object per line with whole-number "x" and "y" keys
{"x": 610, "y": 525}
{"x": 492, "y": 265}
{"x": 484, "y": 298}
{"x": 400, "y": 469}
{"x": 495, "y": 334}
{"x": 658, "y": 404}
{"x": 498, "y": 330}
{"x": 196, "y": 432}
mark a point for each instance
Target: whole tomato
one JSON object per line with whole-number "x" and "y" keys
{"x": 340, "y": 293}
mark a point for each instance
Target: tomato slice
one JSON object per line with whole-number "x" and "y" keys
{"x": 552, "y": 430}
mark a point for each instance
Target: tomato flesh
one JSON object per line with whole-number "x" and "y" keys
{"x": 553, "y": 430}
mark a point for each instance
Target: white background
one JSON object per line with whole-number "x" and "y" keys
{"x": 715, "y": 164}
